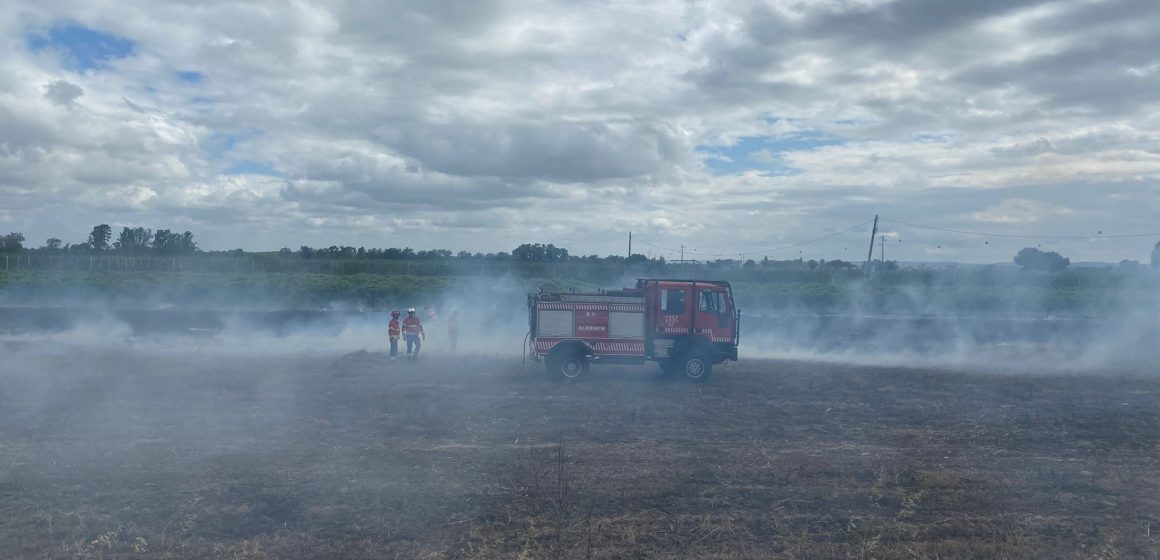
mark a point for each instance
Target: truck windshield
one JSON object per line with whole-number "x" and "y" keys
{"x": 712, "y": 302}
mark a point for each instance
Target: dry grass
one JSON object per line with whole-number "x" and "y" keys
{"x": 194, "y": 456}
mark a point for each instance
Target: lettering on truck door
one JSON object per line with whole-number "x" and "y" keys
{"x": 674, "y": 310}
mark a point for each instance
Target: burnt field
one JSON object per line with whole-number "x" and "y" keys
{"x": 192, "y": 454}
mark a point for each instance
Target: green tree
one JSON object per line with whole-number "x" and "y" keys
{"x": 540, "y": 253}
{"x": 99, "y": 238}
{"x": 12, "y": 243}
{"x": 53, "y": 244}
{"x": 636, "y": 259}
{"x": 841, "y": 265}
{"x": 167, "y": 242}
{"x": 1031, "y": 258}
{"x": 133, "y": 240}
{"x": 1156, "y": 255}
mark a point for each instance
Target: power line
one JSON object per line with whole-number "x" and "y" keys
{"x": 1013, "y": 236}
{"x": 742, "y": 254}
{"x": 768, "y": 250}
{"x": 655, "y": 246}
{"x": 794, "y": 245}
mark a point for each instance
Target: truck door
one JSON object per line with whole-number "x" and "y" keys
{"x": 714, "y": 316}
{"x": 674, "y": 311}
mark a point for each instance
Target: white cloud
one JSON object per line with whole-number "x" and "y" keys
{"x": 1020, "y": 211}
{"x": 484, "y": 125}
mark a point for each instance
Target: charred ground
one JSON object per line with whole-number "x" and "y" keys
{"x": 188, "y": 454}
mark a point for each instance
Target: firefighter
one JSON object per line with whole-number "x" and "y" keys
{"x": 413, "y": 330}
{"x": 393, "y": 332}
{"x": 453, "y": 329}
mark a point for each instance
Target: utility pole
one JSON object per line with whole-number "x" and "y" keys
{"x": 870, "y": 253}
{"x": 682, "y": 253}
{"x": 882, "y": 248}
{"x": 630, "y": 244}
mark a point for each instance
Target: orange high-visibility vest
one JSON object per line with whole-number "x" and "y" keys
{"x": 393, "y": 329}
{"x": 412, "y": 325}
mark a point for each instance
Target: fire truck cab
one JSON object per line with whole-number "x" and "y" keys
{"x": 686, "y": 326}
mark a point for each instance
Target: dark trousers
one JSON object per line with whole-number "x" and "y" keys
{"x": 394, "y": 347}
{"x": 413, "y": 340}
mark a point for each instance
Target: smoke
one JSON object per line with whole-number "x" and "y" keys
{"x": 989, "y": 320}
{"x": 97, "y": 392}
{"x": 996, "y": 321}
{"x": 491, "y": 314}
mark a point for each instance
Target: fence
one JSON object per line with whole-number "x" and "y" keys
{"x": 601, "y": 273}
{"x": 605, "y": 273}
{"x": 279, "y": 264}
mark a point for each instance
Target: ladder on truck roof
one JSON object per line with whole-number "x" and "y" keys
{"x": 596, "y": 298}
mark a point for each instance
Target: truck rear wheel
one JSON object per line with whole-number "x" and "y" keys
{"x": 568, "y": 365}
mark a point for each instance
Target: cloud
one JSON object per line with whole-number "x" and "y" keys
{"x": 1019, "y": 211}
{"x": 62, "y": 92}
{"x": 725, "y": 125}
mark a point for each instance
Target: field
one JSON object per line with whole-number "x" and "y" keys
{"x": 999, "y": 292}
{"x": 191, "y": 454}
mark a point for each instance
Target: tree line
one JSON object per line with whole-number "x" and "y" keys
{"x": 144, "y": 241}
{"x": 131, "y": 241}
{"x": 527, "y": 252}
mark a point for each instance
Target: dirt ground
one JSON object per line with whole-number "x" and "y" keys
{"x": 186, "y": 454}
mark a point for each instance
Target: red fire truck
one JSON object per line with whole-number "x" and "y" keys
{"x": 687, "y": 326}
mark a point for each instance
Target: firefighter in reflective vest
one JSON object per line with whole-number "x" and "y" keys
{"x": 412, "y": 331}
{"x": 393, "y": 332}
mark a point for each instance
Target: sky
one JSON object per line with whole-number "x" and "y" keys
{"x": 726, "y": 127}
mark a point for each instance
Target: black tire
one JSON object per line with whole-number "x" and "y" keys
{"x": 696, "y": 368}
{"x": 567, "y": 365}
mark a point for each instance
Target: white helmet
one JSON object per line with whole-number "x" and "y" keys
{"x": 410, "y": 310}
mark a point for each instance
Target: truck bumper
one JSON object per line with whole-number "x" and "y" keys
{"x": 726, "y": 354}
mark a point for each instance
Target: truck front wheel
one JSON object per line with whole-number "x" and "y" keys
{"x": 697, "y": 368}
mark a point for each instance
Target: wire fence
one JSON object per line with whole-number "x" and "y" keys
{"x": 279, "y": 264}
{"x": 602, "y": 273}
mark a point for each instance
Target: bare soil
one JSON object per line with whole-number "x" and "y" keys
{"x": 190, "y": 454}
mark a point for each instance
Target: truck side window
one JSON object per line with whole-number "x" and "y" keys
{"x": 673, "y": 302}
{"x": 711, "y": 302}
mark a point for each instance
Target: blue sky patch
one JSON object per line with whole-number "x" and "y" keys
{"x": 82, "y": 48}
{"x": 220, "y": 144}
{"x": 191, "y": 77}
{"x": 763, "y": 153}
{"x": 227, "y": 151}
{"x": 248, "y": 167}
